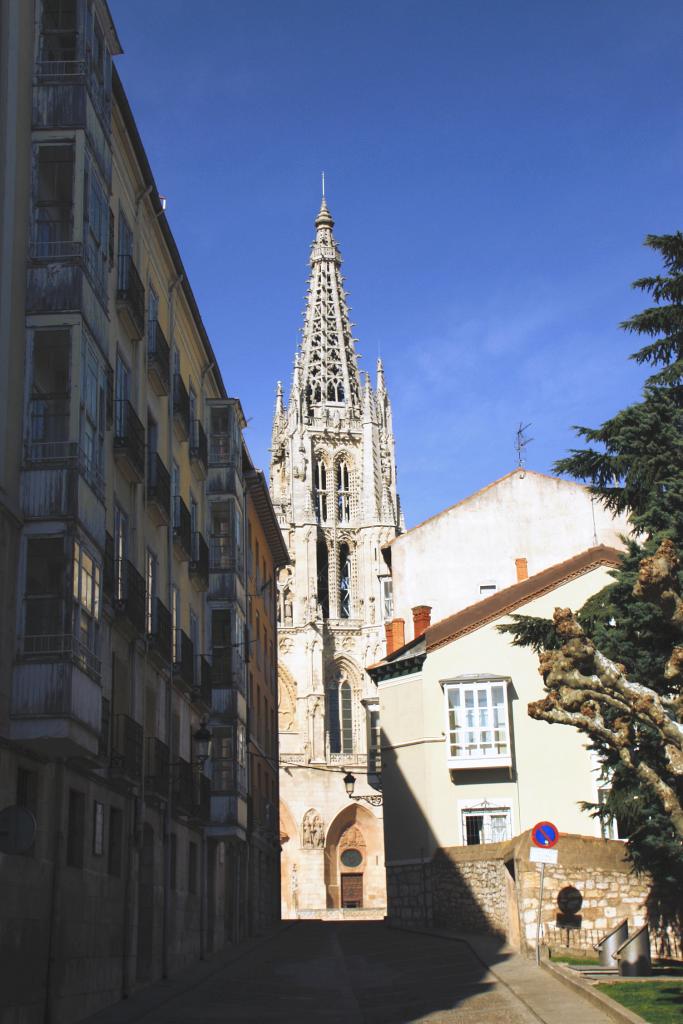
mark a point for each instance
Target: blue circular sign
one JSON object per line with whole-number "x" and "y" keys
{"x": 545, "y": 835}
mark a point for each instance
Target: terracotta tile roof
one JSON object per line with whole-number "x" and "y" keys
{"x": 505, "y": 601}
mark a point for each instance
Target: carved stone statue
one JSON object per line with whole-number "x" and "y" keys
{"x": 313, "y": 831}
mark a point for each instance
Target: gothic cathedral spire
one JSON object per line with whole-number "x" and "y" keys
{"x": 333, "y": 485}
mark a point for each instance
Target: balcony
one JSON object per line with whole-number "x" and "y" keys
{"x": 183, "y": 659}
{"x": 158, "y": 494}
{"x": 49, "y": 430}
{"x": 182, "y": 530}
{"x": 199, "y": 453}
{"x": 222, "y": 554}
{"x": 199, "y": 563}
{"x": 129, "y": 595}
{"x": 182, "y": 787}
{"x": 181, "y": 408}
{"x": 157, "y": 769}
{"x": 129, "y": 442}
{"x": 159, "y": 634}
{"x": 127, "y": 747}
{"x": 158, "y": 358}
{"x": 130, "y": 298}
{"x": 202, "y": 689}
{"x": 223, "y": 451}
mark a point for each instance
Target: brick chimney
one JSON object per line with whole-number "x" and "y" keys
{"x": 396, "y": 634}
{"x": 422, "y": 618}
{"x": 522, "y": 569}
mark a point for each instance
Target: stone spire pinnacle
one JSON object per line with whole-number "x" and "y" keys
{"x": 329, "y": 364}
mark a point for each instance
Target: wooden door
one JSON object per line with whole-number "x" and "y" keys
{"x": 352, "y": 890}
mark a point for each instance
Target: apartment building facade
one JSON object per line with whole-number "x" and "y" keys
{"x": 124, "y": 691}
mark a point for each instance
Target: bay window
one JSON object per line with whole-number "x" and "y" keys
{"x": 478, "y": 734}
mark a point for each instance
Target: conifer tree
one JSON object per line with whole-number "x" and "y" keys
{"x": 615, "y": 669}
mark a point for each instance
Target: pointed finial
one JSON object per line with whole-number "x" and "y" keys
{"x": 380, "y": 374}
{"x": 323, "y": 175}
{"x": 324, "y": 218}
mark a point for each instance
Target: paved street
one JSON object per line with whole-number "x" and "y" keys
{"x": 350, "y": 972}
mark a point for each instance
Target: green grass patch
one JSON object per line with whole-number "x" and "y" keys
{"x": 659, "y": 1002}
{"x": 575, "y": 961}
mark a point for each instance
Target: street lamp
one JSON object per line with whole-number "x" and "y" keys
{"x": 202, "y": 745}
{"x": 375, "y": 799}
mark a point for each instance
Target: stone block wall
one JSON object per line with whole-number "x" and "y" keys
{"x": 409, "y": 893}
{"x": 470, "y": 893}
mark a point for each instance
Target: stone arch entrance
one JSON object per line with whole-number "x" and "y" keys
{"x": 354, "y": 860}
{"x": 289, "y": 844}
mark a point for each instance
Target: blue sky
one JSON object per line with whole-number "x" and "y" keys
{"x": 492, "y": 168}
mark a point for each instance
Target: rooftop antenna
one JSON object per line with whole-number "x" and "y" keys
{"x": 521, "y": 441}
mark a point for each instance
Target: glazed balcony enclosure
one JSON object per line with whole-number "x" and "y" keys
{"x": 130, "y": 298}
{"x": 129, "y": 442}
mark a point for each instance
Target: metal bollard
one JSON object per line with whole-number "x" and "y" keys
{"x": 633, "y": 955}
{"x": 610, "y": 943}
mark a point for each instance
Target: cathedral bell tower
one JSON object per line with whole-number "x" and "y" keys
{"x": 333, "y": 485}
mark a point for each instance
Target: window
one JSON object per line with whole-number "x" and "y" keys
{"x": 122, "y": 395}
{"x": 238, "y": 538}
{"x": 151, "y": 574}
{"x": 98, "y": 828}
{"x": 58, "y": 31}
{"x": 125, "y": 238}
{"x": 53, "y": 218}
{"x": 486, "y": 589}
{"x": 44, "y": 626}
{"x": 343, "y": 494}
{"x": 86, "y": 594}
{"x": 175, "y": 621}
{"x": 192, "y": 868}
{"x": 97, "y": 237}
{"x": 478, "y": 734}
{"x": 115, "y": 846}
{"x": 323, "y": 579}
{"x": 321, "y": 491}
{"x": 344, "y": 581}
{"x": 49, "y": 401}
{"x": 346, "y": 709}
{"x": 374, "y": 745}
{"x": 221, "y": 647}
{"x": 27, "y": 795}
{"x": 387, "y": 598}
{"x": 75, "y": 829}
{"x": 120, "y": 551}
{"x": 486, "y": 823}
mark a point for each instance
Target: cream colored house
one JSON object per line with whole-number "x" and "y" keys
{"x": 514, "y": 527}
{"x": 462, "y": 761}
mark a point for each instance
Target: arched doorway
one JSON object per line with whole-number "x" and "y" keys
{"x": 354, "y": 860}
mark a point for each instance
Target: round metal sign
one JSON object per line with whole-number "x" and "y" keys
{"x": 17, "y": 829}
{"x": 545, "y": 835}
{"x": 569, "y": 900}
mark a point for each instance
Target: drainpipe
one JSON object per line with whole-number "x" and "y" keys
{"x": 54, "y": 887}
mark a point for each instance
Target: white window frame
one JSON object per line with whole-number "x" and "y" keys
{"x": 480, "y": 757}
{"x": 487, "y": 809}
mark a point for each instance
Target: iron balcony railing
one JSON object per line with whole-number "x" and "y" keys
{"x": 159, "y": 629}
{"x": 181, "y": 407}
{"x": 129, "y": 438}
{"x": 49, "y": 429}
{"x": 182, "y": 528}
{"x": 127, "y": 745}
{"x": 129, "y": 593}
{"x": 198, "y": 445}
{"x": 49, "y": 646}
{"x": 159, "y": 484}
{"x": 157, "y": 771}
{"x": 199, "y": 563}
{"x": 130, "y": 293}
{"x": 183, "y": 659}
{"x": 158, "y": 356}
{"x": 182, "y": 787}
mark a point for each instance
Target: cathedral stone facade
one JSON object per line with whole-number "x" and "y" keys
{"x": 333, "y": 485}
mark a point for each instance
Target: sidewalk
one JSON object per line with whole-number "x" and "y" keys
{"x": 546, "y": 997}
